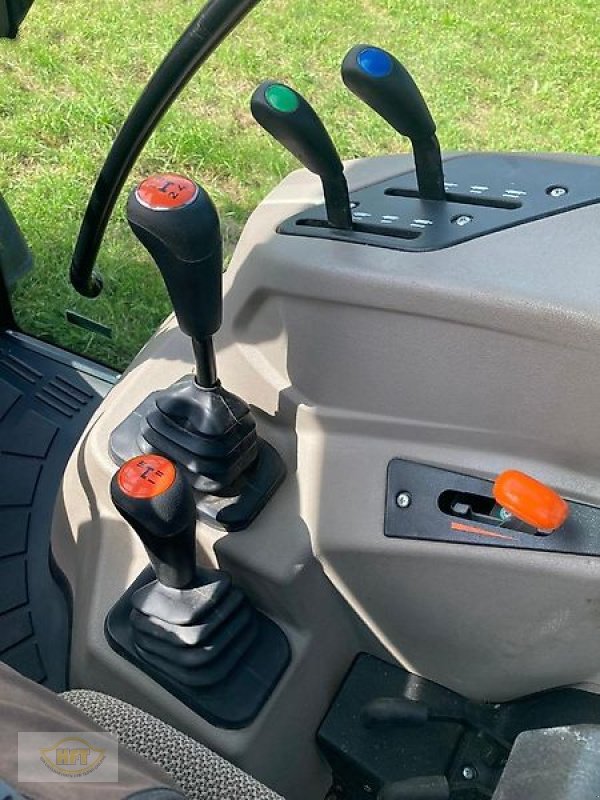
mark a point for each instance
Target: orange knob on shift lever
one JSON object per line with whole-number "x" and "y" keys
{"x": 530, "y": 501}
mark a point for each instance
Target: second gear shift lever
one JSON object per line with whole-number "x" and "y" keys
{"x": 197, "y": 423}
{"x": 188, "y": 626}
{"x": 148, "y": 492}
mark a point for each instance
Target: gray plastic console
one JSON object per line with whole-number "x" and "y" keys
{"x": 474, "y": 358}
{"x": 553, "y": 764}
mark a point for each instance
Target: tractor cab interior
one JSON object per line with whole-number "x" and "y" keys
{"x": 338, "y": 522}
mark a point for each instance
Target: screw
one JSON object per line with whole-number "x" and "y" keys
{"x": 469, "y": 773}
{"x": 404, "y": 499}
{"x": 461, "y": 220}
{"x": 557, "y": 191}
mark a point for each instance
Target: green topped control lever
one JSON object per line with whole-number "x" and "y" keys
{"x": 288, "y": 117}
{"x": 380, "y": 81}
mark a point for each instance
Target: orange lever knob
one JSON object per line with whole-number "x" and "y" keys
{"x": 530, "y": 501}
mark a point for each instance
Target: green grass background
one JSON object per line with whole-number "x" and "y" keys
{"x": 523, "y": 75}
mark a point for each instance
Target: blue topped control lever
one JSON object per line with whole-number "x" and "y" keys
{"x": 286, "y": 115}
{"x": 380, "y": 80}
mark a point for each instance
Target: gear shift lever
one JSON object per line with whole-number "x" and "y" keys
{"x": 207, "y": 430}
{"x": 178, "y": 224}
{"x": 189, "y": 627}
{"x": 158, "y": 503}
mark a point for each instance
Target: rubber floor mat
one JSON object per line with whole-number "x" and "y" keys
{"x": 47, "y": 397}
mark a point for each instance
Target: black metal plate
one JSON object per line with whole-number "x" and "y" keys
{"x": 474, "y": 183}
{"x": 580, "y": 535}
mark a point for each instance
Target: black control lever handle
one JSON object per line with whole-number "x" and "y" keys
{"x": 384, "y": 84}
{"x": 290, "y": 119}
{"x": 178, "y": 224}
{"x": 394, "y": 712}
{"x": 153, "y": 496}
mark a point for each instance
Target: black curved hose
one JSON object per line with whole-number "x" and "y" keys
{"x": 216, "y": 20}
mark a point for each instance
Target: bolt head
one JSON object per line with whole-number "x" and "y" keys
{"x": 557, "y": 191}
{"x": 469, "y": 773}
{"x": 403, "y": 499}
{"x": 461, "y": 220}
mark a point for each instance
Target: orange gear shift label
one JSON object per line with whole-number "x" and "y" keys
{"x": 530, "y": 501}
{"x": 145, "y": 477}
{"x": 166, "y": 192}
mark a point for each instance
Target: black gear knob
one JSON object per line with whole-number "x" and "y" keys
{"x": 153, "y": 496}
{"x": 384, "y": 84}
{"x": 177, "y": 222}
{"x": 289, "y": 118}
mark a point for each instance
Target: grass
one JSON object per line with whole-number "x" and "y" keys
{"x": 498, "y": 76}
